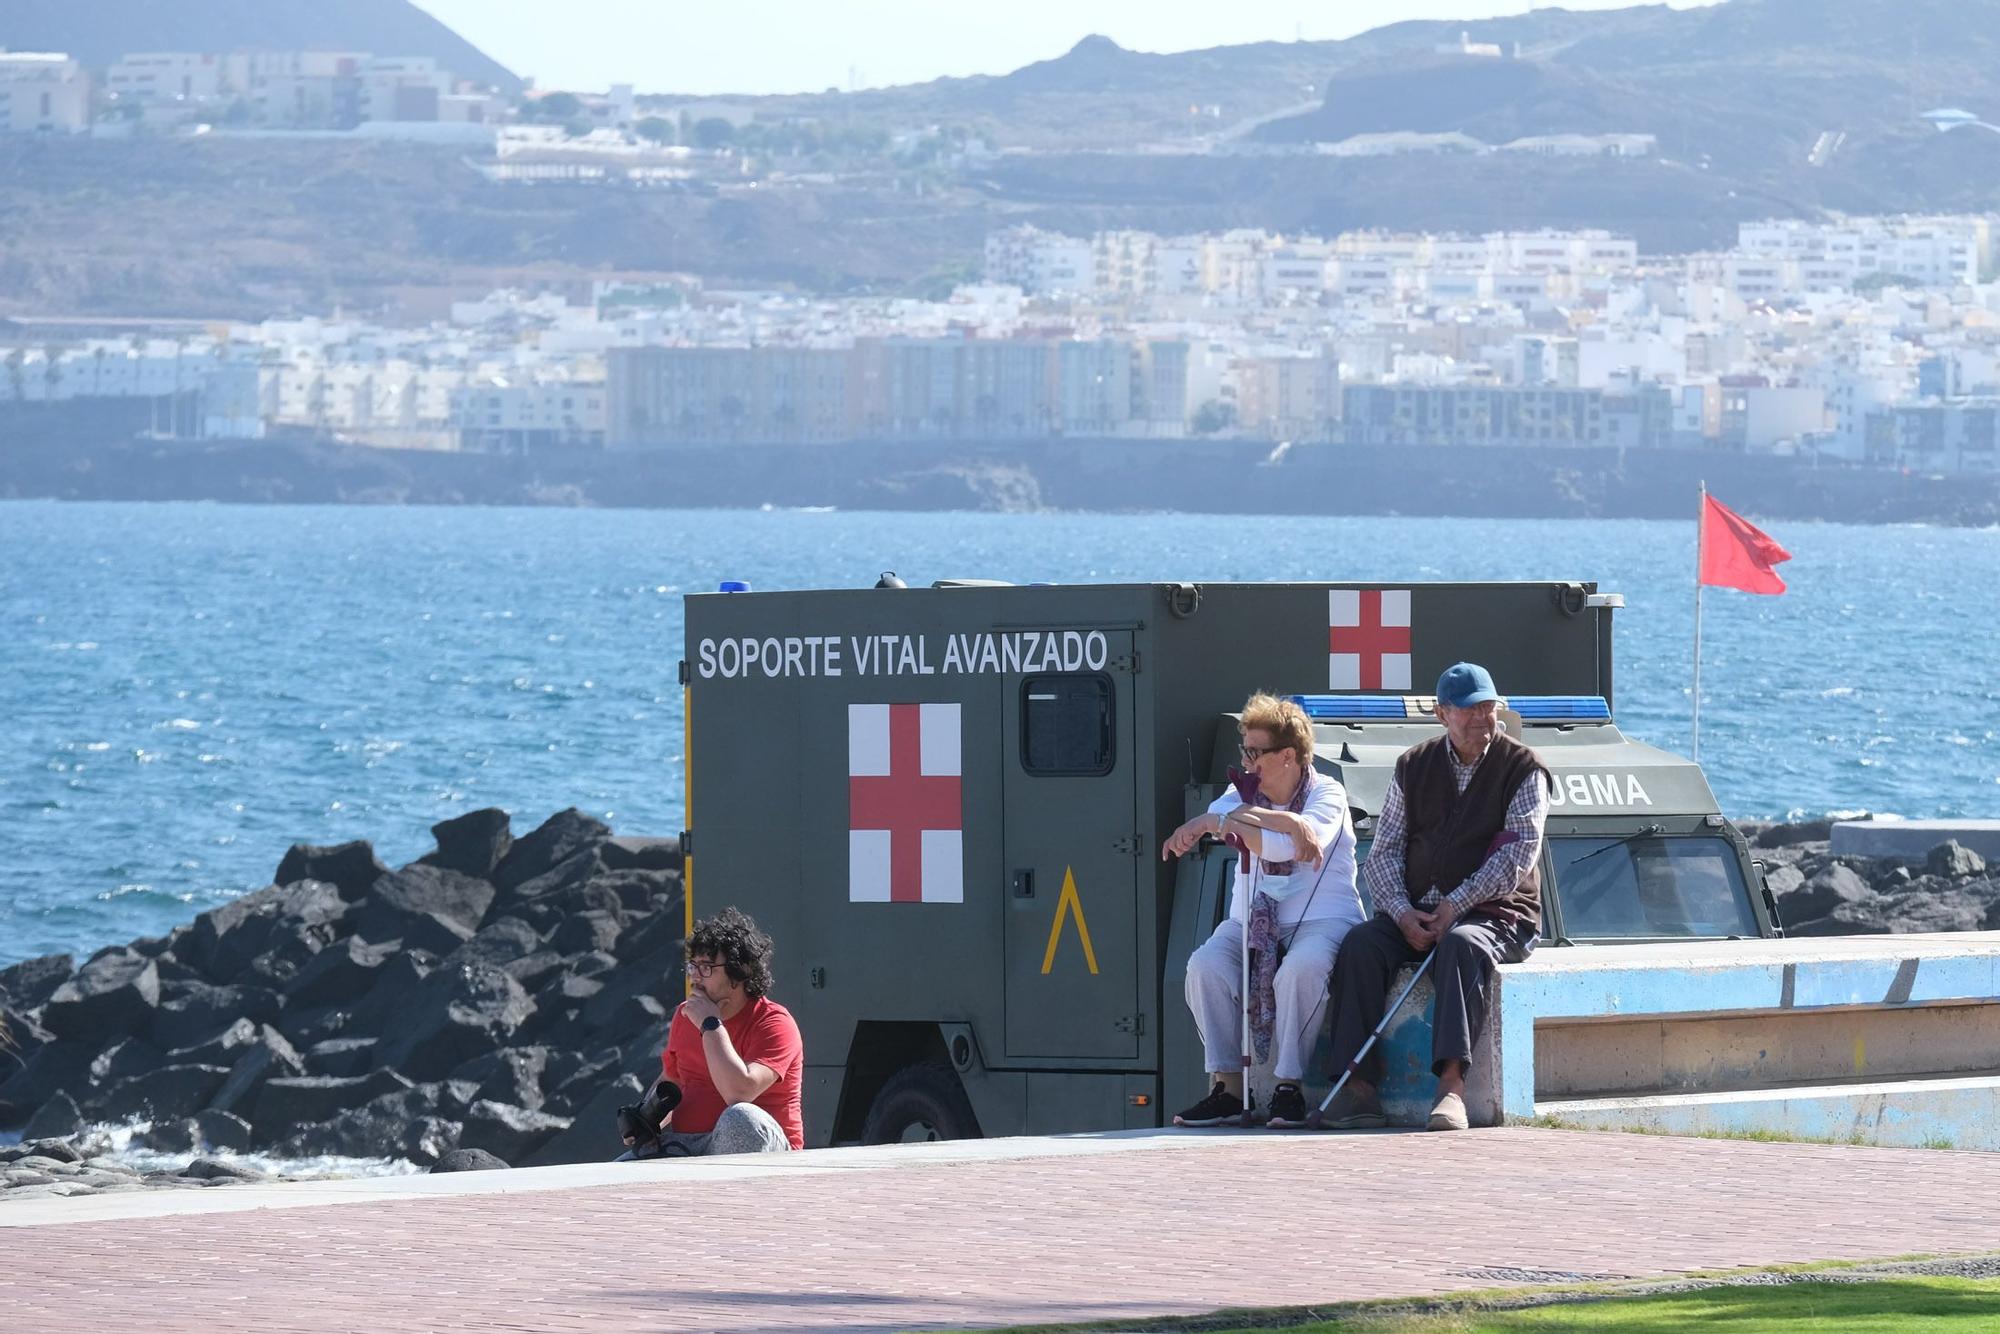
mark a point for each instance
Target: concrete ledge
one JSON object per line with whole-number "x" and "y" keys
{"x": 1849, "y": 991}
{"x": 1911, "y": 839}
{"x": 1929, "y": 1114}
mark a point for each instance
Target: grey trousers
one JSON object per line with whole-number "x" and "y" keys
{"x": 1367, "y": 964}
{"x": 1215, "y": 994}
{"x": 743, "y": 1127}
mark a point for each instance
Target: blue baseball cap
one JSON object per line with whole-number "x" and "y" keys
{"x": 1464, "y": 684}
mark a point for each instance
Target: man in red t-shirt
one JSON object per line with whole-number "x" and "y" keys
{"x": 735, "y": 1053}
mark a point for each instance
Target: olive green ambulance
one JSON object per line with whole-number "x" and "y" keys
{"x": 946, "y": 805}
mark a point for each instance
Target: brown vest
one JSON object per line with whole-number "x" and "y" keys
{"x": 1451, "y": 833}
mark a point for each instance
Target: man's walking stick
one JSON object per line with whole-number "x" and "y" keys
{"x": 1317, "y": 1116}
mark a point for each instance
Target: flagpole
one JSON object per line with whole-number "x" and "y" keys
{"x": 1700, "y": 526}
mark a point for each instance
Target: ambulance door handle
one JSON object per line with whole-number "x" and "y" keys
{"x": 1024, "y": 884}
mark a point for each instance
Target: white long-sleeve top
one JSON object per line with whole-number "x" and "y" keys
{"x": 1299, "y": 898}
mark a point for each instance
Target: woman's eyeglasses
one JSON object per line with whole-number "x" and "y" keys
{"x": 1252, "y": 754}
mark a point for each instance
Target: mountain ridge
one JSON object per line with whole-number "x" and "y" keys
{"x": 100, "y": 31}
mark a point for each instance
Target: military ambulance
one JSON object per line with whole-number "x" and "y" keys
{"x": 946, "y": 805}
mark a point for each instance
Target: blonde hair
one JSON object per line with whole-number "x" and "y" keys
{"x": 1283, "y": 719}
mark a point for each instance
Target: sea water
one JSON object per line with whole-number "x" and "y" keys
{"x": 186, "y": 689}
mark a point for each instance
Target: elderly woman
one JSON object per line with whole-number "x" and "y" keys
{"x": 1294, "y": 897}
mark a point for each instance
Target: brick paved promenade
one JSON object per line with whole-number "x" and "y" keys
{"x": 979, "y": 1234}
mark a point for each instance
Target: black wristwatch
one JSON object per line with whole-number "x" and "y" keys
{"x": 710, "y": 1024}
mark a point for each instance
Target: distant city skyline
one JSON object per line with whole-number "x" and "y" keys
{"x": 791, "y": 46}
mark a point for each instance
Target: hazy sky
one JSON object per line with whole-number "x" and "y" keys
{"x": 779, "y": 46}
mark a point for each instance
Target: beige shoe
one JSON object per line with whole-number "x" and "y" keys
{"x": 1449, "y": 1114}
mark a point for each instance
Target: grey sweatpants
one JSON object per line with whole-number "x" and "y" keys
{"x": 743, "y": 1127}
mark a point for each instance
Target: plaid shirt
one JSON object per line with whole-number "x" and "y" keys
{"x": 1383, "y": 870}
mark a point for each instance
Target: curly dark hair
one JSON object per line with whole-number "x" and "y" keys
{"x": 742, "y": 948}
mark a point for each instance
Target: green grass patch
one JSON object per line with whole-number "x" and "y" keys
{"x": 1882, "y": 1306}
{"x": 1891, "y": 1302}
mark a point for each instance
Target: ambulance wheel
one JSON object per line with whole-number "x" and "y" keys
{"x": 917, "y": 1105}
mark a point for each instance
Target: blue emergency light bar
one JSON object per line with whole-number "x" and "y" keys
{"x": 1417, "y": 708}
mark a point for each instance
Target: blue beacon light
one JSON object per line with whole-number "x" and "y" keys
{"x": 733, "y": 586}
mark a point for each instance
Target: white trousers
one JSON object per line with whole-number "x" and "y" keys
{"x": 1215, "y": 994}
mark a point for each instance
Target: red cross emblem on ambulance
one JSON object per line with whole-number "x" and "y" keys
{"x": 1368, "y": 639}
{"x": 905, "y": 804}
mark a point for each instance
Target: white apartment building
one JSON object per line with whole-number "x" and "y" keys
{"x": 167, "y": 76}
{"x": 403, "y": 88}
{"x": 502, "y": 415}
{"x": 43, "y": 92}
{"x": 1923, "y": 251}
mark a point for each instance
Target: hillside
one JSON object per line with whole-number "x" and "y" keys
{"x": 97, "y": 32}
{"x": 1100, "y": 137}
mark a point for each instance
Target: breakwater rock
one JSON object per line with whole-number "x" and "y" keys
{"x": 1949, "y": 888}
{"x": 499, "y": 995}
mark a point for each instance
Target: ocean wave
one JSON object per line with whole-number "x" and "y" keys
{"x": 121, "y": 1143}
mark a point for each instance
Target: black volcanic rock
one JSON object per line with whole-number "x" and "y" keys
{"x": 458, "y": 1014}
{"x": 595, "y": 930}
{"x": 195, "y": 1012}
{"x": 115, "y": 993}
{"x": 512, "y": 1075}
{"x": 508, "y": 1132}
{"x": 1832, "y": 887}
{"x": 294, "y": 921}
{"x": 58, "y": 1118}
{"x": 272, "y": 1056}
{"x": 559, "y": 838}
{"x": 341, "y": 972}
{"x": 346, "y": 1057}
{"x": 59, "y": 1065}
{"x": 501, "y": 942}
{"x": 641, "y": 854}
{"x": 284, "y": 1105}
{"x": 29, "y": 984}
{"x": 409, "y": 902}
{"x": 468, "y": 1160}
{"x": 128, "y": 1057}
{"x": 349, "y": 867}
{"x": 1954, "y": 861}
{"x": 472, "y": 844}
{"x": 222, "y": 1131}
{"x": 168, "y": 1091}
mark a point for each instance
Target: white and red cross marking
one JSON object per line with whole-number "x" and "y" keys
{"x": 905, "y": 804}
{"x": 1368, "y": 639}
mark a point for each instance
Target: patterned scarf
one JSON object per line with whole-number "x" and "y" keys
{"x": 1261, "y": 938}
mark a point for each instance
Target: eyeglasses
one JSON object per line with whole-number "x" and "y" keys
{"x": 701, "y": 968}
{"x": 1252, "y": 754}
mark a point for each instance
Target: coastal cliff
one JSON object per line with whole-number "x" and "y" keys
{"x": 1204, "y": 476}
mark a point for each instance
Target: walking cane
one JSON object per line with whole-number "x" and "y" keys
{"x": 1317, "y": 1117}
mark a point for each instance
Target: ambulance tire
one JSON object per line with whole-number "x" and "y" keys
{"x": 918, "y": 1104}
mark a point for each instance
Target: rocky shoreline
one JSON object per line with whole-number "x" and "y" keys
{"x": 492, "y": 1003}
{"x": 1070, "y": 474}
{"x": 1949, "y": 888}
{"x": 498, "y": 997}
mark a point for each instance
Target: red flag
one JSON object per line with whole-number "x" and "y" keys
{"x": 1736, "y": 553}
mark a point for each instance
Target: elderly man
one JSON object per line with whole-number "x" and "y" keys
{"x": 1295, "y": 900}
{"x": 1453, "y": 869}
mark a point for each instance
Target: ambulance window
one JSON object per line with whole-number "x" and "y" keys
{"x": 1066, "y": 725}
{"x": 1650, "y": 887}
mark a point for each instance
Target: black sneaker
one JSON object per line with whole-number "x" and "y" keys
{"x": 1288, "y": 1107}
{"x": 1219, "y": 1108}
